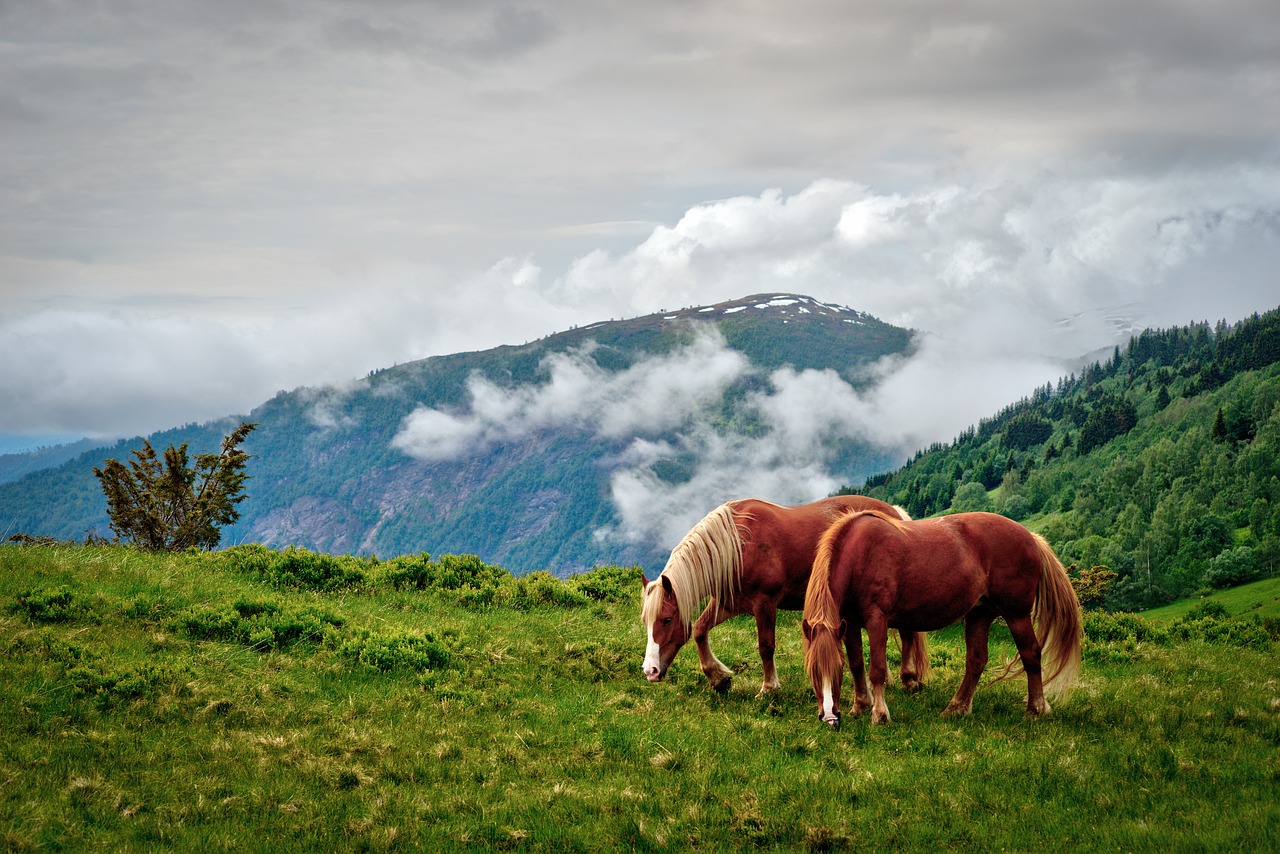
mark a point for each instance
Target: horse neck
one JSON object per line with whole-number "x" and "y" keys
{"x": 820, "y": 607}
{"x": 707, "y": 562}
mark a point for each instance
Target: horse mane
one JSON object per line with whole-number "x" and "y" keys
{"x": 707, "y": 562}
{"x": 822, "y": 650}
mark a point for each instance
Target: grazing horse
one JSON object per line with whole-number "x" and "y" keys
{"x": 749, "y": 556}
{"x": 876, "y": 571}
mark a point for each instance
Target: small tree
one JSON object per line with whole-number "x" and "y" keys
{"x": 170, "y": 506}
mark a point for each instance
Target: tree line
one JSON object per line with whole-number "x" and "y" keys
{"x": 1161, "y": 463}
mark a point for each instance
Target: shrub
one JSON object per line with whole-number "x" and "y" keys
{"x": 415, "y": 571}
{"x": 1238, "y": 633}
{"x": 297, "y": 568}
{"x": 609, "y": 583}
{"x": 261, "y": 624}
{"x": 1232, "y": 567}
{"x": 46, "y": 606}
{"x": 539, "y": 588}
{"x": 1100, "y": 626}
{"x": 391, "y": 651}
{"x": 1207, "y": 608}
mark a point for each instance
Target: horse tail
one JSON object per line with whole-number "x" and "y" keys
{"x": 822, "y": 650}
{"x": 918, "y": 663}
{"x": 1057, "y": 612}
{"x": 1059, "y": 626}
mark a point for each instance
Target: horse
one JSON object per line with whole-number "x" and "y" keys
{"x": 877, "y": 571}
{"x": 749, "y": 556}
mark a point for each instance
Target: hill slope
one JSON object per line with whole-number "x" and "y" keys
{"x": 1162, "y": 463}
{"x": 532, "y": 436}
{"x": 193, "y": 702}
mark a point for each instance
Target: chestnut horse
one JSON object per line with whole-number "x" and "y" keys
{"x": 750, "y": 557}
{"x": 876, "y": 571}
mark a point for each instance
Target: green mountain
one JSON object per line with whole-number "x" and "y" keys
{"x": 1161, "y": 463}
{"x": 329, "y": 473}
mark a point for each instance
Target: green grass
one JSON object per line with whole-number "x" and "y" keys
{"x": 144, "y": 706}
{"x": 1259, "y": 597}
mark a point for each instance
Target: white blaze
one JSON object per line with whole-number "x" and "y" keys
{"x": 651, "y": 658}
{"x": 828, "y": 701}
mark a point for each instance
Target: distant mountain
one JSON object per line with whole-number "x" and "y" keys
{"x": 14, "y": 466}
{"x": 340, "y": 470}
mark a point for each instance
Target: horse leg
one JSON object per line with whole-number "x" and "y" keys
{"x": 878, "y": 641}
{"x": 977, "y": 628}
{"x": 720, "y": 677}
{"x": 1024, "y": 635}
{"x": 910, "y": 679}
{"x": 766, "y": 623}
{"x": 853, "y": 651}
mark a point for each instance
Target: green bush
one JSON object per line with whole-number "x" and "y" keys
{"x": 1238, "y": 633}
{"x": 609, "y": 583}
{"x": 1233, "y": 567}
{"x": 392, "y": 651}
{"x": 539, "y": 588}
{"x": 46, "y": 606}
{"x": 411, "y": 571}
{"x": 1101, "y": 626}
{"x": 297, "y": 568}
{"x": 261, "y": 624}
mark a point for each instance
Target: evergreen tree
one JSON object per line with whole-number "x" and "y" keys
{"x": 170, "y": 506}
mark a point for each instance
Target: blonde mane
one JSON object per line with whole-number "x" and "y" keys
{"x": 707, "y": 562}
{"x": 822, "y": 650}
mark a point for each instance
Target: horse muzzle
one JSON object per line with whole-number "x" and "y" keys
{"x": 832, "y": 720}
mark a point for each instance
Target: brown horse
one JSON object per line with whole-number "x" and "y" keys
{"x": 876, "y": 571}
{"x": 750, "y": 557}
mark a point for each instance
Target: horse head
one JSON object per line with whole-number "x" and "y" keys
{"x": 824, "y": 661}
{"x": 666, "y": 629}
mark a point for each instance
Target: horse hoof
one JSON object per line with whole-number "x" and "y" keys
{"x": 724, "y": 685}
{"x": 912, "y": 686}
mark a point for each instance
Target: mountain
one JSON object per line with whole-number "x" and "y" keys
{"x": 510, "y": 453}
{"x": 1161, "y": 462}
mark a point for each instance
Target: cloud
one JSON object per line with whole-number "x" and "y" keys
{"x": 656, "y": 394}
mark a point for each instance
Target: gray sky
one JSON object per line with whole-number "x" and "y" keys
{"x": 205, "y": 203}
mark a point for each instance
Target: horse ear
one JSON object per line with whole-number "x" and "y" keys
{"x": 643, "y": 580}
{"x": 666, "y": 585}
{"x": 806, "y": 630}
{"x": 844, "y": 627}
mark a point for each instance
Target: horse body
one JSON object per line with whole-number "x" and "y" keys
{"x": 749, "y": 557}
{"x": 878, "y": 572}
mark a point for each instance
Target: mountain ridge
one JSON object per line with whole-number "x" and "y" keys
{"x": 328, "y": 476}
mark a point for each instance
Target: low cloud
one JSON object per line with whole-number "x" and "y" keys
{"x": 654, "y": 395}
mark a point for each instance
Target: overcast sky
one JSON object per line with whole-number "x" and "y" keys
{"x": 205, "y": 203}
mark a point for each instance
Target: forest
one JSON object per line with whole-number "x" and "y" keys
{"x": 1161, "y": 463}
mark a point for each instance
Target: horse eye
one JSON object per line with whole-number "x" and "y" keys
{"x": 666, "y": 621}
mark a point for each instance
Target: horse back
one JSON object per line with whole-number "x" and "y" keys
{"x": 779, "y": 543}
{"x": 928, "y": 573}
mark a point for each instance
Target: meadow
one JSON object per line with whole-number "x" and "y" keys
{"x": 257, "y": 700}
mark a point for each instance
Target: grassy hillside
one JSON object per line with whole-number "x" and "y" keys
{"x": 292, "y": 701}
{"x": 1260, "y": 599}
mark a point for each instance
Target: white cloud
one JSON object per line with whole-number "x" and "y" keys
{"x": 655, "y": 394}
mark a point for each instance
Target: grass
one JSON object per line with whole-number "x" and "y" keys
{"x": 1259, "y": 597}
{"x": 167, "y": 702}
